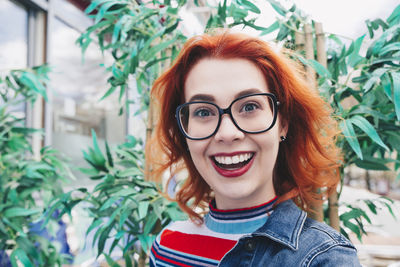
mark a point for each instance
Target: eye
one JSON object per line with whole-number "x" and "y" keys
{"x": 249, "y": 107}
{"x": 203, "y": 112}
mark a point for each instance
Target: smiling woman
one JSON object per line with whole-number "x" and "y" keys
{"x": 255, "y": 140}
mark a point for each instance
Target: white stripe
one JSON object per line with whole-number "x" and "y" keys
{"x": 188, "y": 227}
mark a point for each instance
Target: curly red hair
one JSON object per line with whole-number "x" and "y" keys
{"x": 307, "y": 166}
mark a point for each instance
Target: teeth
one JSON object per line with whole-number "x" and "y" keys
{"x": 233, "y": 160}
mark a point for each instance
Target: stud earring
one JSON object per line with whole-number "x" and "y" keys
{"x": 283, "y": 138}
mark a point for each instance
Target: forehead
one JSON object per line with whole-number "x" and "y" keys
{"x": 223, "y": 79}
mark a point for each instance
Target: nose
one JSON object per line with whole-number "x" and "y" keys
{"x": 227, "y": 131}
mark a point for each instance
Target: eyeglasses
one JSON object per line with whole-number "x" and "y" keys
{"x": 255, "y": 113}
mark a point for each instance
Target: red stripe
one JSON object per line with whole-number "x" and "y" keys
{"x": 158, "y": 256}
{"x": 199, "y": 245}
{"x": 233, "y": 210}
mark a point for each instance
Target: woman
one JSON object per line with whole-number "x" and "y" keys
{"x": 255, "y": 140}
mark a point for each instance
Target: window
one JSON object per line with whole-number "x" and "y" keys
{"x": 13, "y": 42}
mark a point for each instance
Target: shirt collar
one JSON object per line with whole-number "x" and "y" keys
{"x": 284, "y": 225}
{"x": 238, "y": 221}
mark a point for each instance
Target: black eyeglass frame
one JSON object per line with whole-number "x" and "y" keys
{"x": 222, "y": 111}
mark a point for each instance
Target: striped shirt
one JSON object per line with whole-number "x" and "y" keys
{"x": 184, "y": 243}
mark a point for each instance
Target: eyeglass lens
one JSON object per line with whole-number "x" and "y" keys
{"x": 254, "y": 113}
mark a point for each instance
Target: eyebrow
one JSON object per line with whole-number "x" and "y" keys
{"x": 211, "y": 98}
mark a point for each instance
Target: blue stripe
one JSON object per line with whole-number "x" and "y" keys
{"x": 235, "y": 228}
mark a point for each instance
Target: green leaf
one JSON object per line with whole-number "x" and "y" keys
{"x": 396, "y": 92}
{"x": 130, "y": 172}
{"x": 125, "y": 192}
{"x": 172, "y": 27}
{"x": 321, "y": 70}
{"x": 150, "y": 222}
{"x": 388, "y": 206}
{"x": 371, "y": 165}
{"x": 352, "y": 214}
{"x": 128, "y": 261}
{"x": 394, "y": 18}
{"x": 97, "y": 150}
{"x": 386, "y": 83}
{"x": 283, "y": 32}
{"x": 350, "y": 135}
{"x": 273, "y": 27}
{"x": 354, "y": 57}
{"x": 110, "y": 261}
{"x": 250, "y": 6}
{"x": 152, "y": 52}
{"x": 103, "y": 9}
{"x": 95, "y": 223}
{"x": 158, "y": 207}
{"x": 371, "y": 206}
{"x": 367, "y": 128}
{"x": 109, "y": 92}
{"x": 354, "y": 228}
{"x": 109, "y": 156}
{"x": 15, "y": 212}
{"x": 278, "y": 7}
{"x": 94, "y": 4}
{"x": 26, "y": 245}
{"x": 145, "y": 242}
{"x": 109, "y": 202}
{"x": 142, "y": 209}
{"x": 20, "y": 255}
{"x": 389, "y": 48}
{"x": 103, "y": 237}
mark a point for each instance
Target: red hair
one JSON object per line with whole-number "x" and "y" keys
{"x": 307, "y": 161}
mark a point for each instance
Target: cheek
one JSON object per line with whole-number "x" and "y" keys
{"x": 269, "y": 143}
{"x": 197, "y": 150}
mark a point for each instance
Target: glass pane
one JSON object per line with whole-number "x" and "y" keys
{"x": 13, "y": 42}
{"x": 14, "y": 36}
{"x": 77, "y": 88}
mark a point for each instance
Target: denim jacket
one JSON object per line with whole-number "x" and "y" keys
{"x": 289, "y": 238}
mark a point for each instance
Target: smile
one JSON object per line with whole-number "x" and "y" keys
{"x": 232, "y": 165}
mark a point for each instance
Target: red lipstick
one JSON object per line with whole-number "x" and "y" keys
{"x": 232, "y": 173}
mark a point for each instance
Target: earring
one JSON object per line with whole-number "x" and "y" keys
{"x": 283, "y": 138}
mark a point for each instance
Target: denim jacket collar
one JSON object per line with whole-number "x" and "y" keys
{"x": 284, "y": 225}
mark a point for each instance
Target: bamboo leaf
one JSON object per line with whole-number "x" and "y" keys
{"x": 396, "y": 93}
{"x": 350, "y": 135}
{"x": 367, "y": 128}
{"x": 389, "y": 48}
{"x": 273, "y": 27}
{"x": 394, "y": 18}
{"x": 250, "y": 6}
{"x": 110, "y": 261}
{"x": 371, "y": 165}
{"x": 278, "y": 7}
{"x": 130, "y": 172}
{"x": 354, "y": 228}
{"x": 109, "y": 92}
{"x": 150, "y": 222}
{"x": 109, "y": 156}
{"x": 16, "y": 212}
{"x": 152, "y": 52}
{"x": 142, "y": 209}
{"x": 97, "y": 151}
{"x": 354, "y": 57}
{"x": 20, "y": 255}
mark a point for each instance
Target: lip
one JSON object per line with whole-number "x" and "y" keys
{"x": 232, "y": 173}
